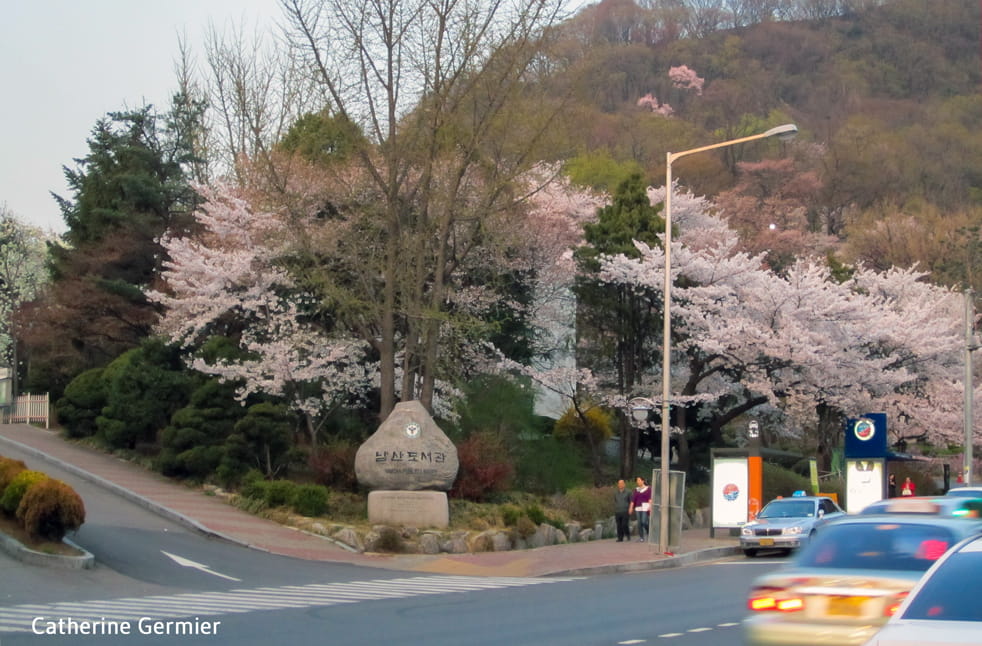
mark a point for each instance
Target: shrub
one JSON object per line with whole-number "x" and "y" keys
{"x": 548, "y": 465}
{"x": 8, "y": 469}
{"x": 144, "y": 386}
{"x": 536, "y": 514}
{"x": 310, "y": 500}
{"x": 50, "y": 509}
{"x": 485, "y": 467}
{"x": 510, "y": 515}
{"x": 19, "y": 486}
{"x": 697, "y": 497}
{"x": 525, "y": 527}
{"x": 280, "y": 492}
{"x": 588, "y": 504}
{"x": 781, "y": 482}
{"x": 78, "y": 408}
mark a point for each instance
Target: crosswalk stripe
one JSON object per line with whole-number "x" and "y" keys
{"x": 205, "y": 604}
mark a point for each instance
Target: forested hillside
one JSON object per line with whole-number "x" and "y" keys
{"x": 886, "y": 95}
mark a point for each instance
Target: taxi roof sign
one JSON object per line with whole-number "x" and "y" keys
{"x": 800, "y": 492}
{"x": 915, "y": 506}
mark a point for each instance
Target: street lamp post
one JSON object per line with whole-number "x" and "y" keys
{"x": 786, "y": 131}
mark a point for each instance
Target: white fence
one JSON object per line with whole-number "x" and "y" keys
{"x": 28, "y": 409}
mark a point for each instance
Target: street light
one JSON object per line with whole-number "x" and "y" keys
{"x": 785, "y": 131}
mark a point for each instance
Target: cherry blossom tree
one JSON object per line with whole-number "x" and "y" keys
{"x": 226, "y": 281}
{"x": 804, "y": 344}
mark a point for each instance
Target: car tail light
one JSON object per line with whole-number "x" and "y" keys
{"x": 771, "y": 599}
{"x": 893, "y": 604}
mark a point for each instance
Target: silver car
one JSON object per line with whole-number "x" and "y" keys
{"x": 787, "y": 523}
{"x": 943, "y": 608}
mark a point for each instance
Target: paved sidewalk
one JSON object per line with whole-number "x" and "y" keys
{"x": 211, "y": 516}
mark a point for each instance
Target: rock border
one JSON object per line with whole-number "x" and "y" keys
{"x": 21, "y": 552}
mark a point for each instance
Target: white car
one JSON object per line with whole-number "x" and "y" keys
{"x": 943, "y": 609}
{"x": 787, "y": 523}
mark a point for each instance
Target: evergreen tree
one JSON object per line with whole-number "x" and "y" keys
{"x": 130, "y": 188}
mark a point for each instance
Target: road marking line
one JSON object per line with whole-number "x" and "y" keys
{"x": 728, "y": 624}
{"x": 632, "y": 641}
{"x": 203, "y": 604}
{"x": 698, "y": 630}
{"x": 669, "y": 635}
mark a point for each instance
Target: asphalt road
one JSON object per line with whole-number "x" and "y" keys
{"x": 233, "y": 595}
{"x": 693, "y": 606}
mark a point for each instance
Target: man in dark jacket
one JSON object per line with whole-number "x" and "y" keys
{"x": 622, "y": 503}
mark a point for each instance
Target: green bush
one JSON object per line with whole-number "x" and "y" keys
{"x": 547, "y": 465}
{"x": 144, "y": 386}
{"x": 50, "y": 509}
{"x": 779, "y": 481}
{"x": 81, "y": 403}
{"x": 310, "y": 500}
{"x": 536, "y": 514}
{"x": 697, "y": 497}
{"x": 9, "y": 468}
{"x": 263, "y": 437}
{"x": 19, "y": 486}
{"x": 510, "y": 514}
{"x": 279, "y": 493}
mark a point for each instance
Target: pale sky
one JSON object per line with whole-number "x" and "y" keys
{"x": 65, "y": 63}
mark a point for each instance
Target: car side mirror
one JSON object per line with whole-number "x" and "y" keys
{"x": 821, "y": 512}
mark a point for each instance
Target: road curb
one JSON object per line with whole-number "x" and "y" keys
{"x": 708, "y": 554}
{"x": 21, "y": 552}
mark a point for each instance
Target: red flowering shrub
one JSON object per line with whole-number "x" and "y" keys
{"x": 485, "y": 467}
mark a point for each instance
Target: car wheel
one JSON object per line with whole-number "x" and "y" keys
{"x": 750, "y": 553}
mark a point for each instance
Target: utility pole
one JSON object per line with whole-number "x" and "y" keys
{"x": 969, "y": 385}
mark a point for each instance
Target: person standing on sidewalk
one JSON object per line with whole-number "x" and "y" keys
{"x": 622, "y": 506}
{"x": 641, "y": 505}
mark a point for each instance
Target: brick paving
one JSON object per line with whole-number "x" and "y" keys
{"x": 212, "y": 516}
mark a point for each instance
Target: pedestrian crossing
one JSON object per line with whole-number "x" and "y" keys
{"x": 104, "y": 615}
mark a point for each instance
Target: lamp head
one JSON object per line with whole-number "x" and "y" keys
{"x": 785, "y": 132}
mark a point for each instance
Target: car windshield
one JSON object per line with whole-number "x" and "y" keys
{"x": 878, "y": 546}
{"x": 952, "y": 593}
{"x": 788, "y": 509}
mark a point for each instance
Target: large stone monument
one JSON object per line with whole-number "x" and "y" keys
{"x": 409, "y": 463}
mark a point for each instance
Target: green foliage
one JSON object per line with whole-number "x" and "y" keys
{"x": 499, "y": 405}
{"x": 9, "y": 468}
{"x": 279, "y": 493}
{"x": 50, "y": 509}
{"x": 193, "y": 444}
{"x": 549, "y": 465}
{"x": 779, "y": 481}
{"x": 630, "y": 217}
{"x": 261, "y": 439}
{"x": 310, "y": 500}
{"x": 485, "y": 467}
{"x": 698, "y": 496}
{"x": 598, "y": 170}
{"x": 144, "y": 387}
{"x": 83, "y": 400}
{"x": 19, "y": 485}
{"x": 322, "y": 138}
